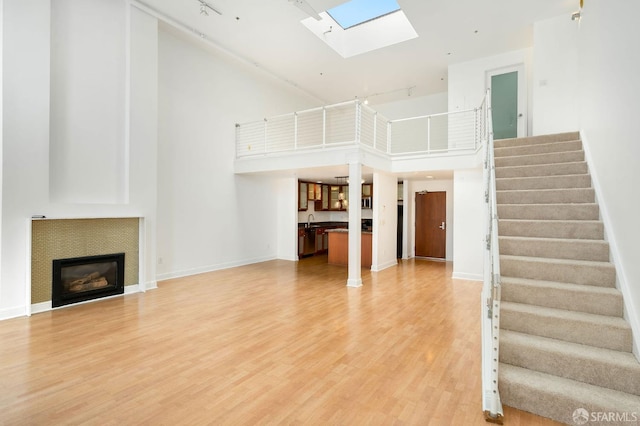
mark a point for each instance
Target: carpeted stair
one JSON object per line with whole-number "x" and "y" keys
{"x": 564, "y": 343}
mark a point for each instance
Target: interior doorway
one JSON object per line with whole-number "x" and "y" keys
{"x": 508, "y": 102}
{"x": 431, "y": 226}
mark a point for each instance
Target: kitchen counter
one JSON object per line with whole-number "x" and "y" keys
{"x": 339, "y": 247}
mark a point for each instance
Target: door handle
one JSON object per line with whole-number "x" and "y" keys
{"x": 442, "y": 226}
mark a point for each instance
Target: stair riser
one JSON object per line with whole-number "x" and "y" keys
{"x": 591, "y": 303}
{"x": 575, "y": 168}
{"x": 542, "y": 139}
{"x": 549, "y": 211}
{"x": 546, "y": 196}
{"x": 552, "y": 229}
{"x": 582, "y": 332}
{"x": 536, "y": 159}
{"x": 597, "y": 372}
{"x": 552, "y": 248}
{"x": 556, "y": 405}
{"x": 538, "y": 149}
{"x": 550, "y": 182}
{"x": 602, "y": 275}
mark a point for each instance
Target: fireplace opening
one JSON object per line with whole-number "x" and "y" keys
{"x": 80, "y": 279}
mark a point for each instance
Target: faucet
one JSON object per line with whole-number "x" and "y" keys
{"x": 309, "y": 219}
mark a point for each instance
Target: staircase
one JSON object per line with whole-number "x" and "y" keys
{"x": 564, "y": 344}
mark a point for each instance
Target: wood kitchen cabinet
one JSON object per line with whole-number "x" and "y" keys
{"x": 303, "y": 199}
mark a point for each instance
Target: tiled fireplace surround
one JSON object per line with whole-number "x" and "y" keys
{"x": 66, "y": 238}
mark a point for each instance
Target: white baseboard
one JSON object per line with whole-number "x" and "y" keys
{"x": 37, "y": 308}
{"x": 15, "y": 312}
{"x": 630, "y": 311}
{"x": 383, "y": 266}
{"x": 467, "y": 276}
{"x": 211, "y": 268}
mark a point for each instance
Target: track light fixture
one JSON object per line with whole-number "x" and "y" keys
{"x": 205, "y": 7}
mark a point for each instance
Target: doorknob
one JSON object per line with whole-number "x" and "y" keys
{"x": 441, "y": 226}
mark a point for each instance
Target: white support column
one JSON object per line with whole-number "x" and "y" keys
{"x": 355, "y": 224}
{"x": 407, "y": 205}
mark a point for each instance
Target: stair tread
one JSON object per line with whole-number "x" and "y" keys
{"x": 560, "y": 261}
{"x": 563, "y": 314}
{"x": 552, "y": 239}
{"x": 560, "y": 285}
{"x": 577, "y": 350}
{"x": 538, "y": 165}
{"x": 541, "y": 177}
{"x": 589, "y": 395}
{"x": 502, "y": 191}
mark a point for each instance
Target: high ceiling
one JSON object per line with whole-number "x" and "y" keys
{"x": 268, "y": 33}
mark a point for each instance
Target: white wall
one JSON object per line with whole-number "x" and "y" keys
{"x": 209, "y": 218}
{"x": 556, "y": 76}
{"x": 467, "y": 80}
{"x": 413, "y": 106}
{"x": 88, "y": 139}
{"x": 385, "y": 221}
{"x": 468, "y": 220}
{"x": 409, "y": 210}
{"x": 27, "y": 151}
{"x": 608, "y": 98}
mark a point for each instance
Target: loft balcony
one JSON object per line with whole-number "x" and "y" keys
{"x": 337, "y": 134}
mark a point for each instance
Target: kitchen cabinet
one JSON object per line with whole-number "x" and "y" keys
{"x": 303, "y": 199}
{"x": 322, "y": 197}
{"x": 367, "y": 195}
{"x": 300, "y": 242}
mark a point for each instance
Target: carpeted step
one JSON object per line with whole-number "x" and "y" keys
{"x": 602, "y": 274}
{"x": 577, "y": 327}
{"x": 535, "y": 159}
{"x": 538, "y": 148}
{"x": 576, "y": 229}
{"x": 529, "y": 140}
{"x": 544, "y": 182}
{"x": 560, "y": 248}
{"x": 596, "y": 366}
{"x": 572, "y": 297}
{"x": 560, "y": 169}
{"x": 561, "y": 399}
{"x": 546, "y": 196}
{"x": 549, "y": 211}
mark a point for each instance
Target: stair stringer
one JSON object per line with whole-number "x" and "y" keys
{"x": 631, "y": 313}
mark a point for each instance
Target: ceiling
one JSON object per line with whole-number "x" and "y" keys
{"x": 268, "y": 33}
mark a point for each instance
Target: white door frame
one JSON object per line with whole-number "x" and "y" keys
{"x": 522, "y": 93}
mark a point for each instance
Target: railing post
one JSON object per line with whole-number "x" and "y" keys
{"x": 358, "y": 120}
{"x": 265, "y": 135}
{"x": 295, "y": 131}
{"x": 428, "y": 134}
{"x": 375, "y": 130}
{"x": 324, "y": 127}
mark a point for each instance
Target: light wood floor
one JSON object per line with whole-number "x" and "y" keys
{"x": 272, "y": 343}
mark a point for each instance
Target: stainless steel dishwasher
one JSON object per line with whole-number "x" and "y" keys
{"x": 309, "y": 241}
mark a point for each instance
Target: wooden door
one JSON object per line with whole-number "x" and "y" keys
{"x": 431, "y": 216}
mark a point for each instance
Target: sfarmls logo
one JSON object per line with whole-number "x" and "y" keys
{"x": 582, "y": 416}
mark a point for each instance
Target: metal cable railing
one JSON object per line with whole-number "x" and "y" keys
{"x": 353, "y": 123}
{"x": 491, "y": 404}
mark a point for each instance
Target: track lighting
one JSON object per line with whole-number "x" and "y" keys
{"x": 205, "y": 7}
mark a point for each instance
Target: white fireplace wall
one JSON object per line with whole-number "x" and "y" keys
{"x": 26, "y": 58}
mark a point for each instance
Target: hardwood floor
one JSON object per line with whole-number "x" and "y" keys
{"x": 272, "y": 343}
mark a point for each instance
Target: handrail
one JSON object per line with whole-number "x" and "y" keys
{"x": 491, "y": 405}
{"x": 355, "y": 123}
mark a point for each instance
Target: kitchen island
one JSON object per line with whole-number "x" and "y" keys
{"x": 339, "y": 247}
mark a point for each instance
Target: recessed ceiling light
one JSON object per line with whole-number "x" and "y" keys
{"x": 429, "y": 177}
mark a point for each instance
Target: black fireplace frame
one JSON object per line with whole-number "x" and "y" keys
{"x": 61, "y": 298}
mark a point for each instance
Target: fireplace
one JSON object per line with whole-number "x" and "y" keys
{"x": 85, "y": 278}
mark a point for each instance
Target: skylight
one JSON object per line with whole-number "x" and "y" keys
{"x": 356, "y": 12}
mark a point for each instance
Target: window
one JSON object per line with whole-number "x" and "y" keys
{"x": 356, "y": 12}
